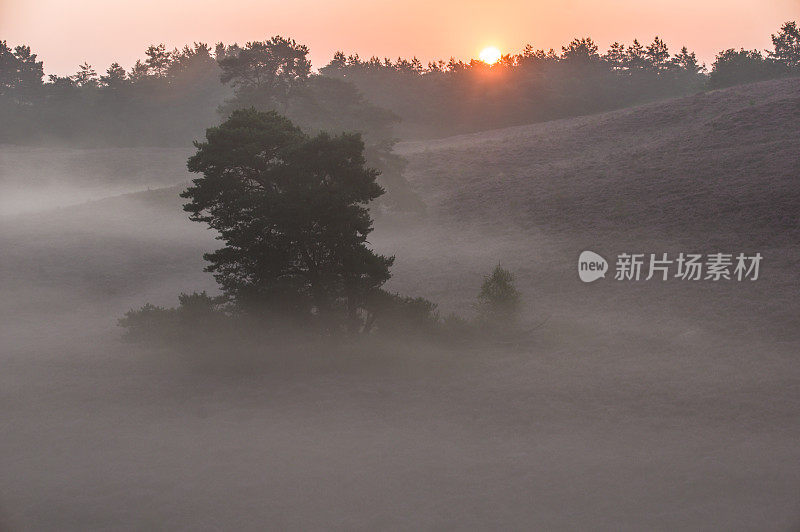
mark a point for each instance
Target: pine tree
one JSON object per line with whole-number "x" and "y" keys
{"x": 498, "y": 299}
{"x": 291, "y": 210}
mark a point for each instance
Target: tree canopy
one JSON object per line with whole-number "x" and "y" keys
{"x": 291, "y": 209}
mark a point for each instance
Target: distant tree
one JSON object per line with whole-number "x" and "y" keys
{"x": 437, "y": 66}
{"x": 139, "y": 71}
{"x": 455, "y": 66}
{"x": 115, "y": 76}
{"x": 657, "y": 55}
{"x": 193, "y": 61}
{"x": 787, "y": 46}
{"x": 264, "y": 73}
{"x": 685, "y": 61}
{"x": 61, "y": 82}
{"x": 338, "y": 62}
{"x": 498, "y": 300}
{"x": 636, "y": 58}
{"x": 536, "y": 57}
{"x": 158, "y": 60}
{"x": 615, "y": 56}
{"x": 291, "y": 211}
{"x": 580, "y": 50}
{"x": 86, "y": 76}
{"x": 733, "y": 67}
{"x": 8, "y": 69}
{"x": 20, "y": 73}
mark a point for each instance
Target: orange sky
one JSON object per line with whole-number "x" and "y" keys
{"x": 66, "y": 33}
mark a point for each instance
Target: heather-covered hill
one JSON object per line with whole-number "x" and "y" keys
{"x": 719, "y": 165}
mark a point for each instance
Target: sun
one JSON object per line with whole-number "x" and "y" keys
{"x": 490, "y": 55}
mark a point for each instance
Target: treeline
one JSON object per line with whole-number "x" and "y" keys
{"x": 535, "y": 85}
{"x": 450, "y": 97}
{"x": 168, "y": 97}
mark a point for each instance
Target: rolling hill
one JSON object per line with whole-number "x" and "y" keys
{"x": 652, "y": 405}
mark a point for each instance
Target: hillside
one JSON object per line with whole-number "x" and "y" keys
{"x": 724, "y": 163}
{"x": 651, "y": 405}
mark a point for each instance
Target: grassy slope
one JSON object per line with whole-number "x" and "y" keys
{"x": 718, "y": 171}
{"x": 657, "y": 406}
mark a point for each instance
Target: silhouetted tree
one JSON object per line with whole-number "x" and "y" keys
{"x": 86, "y": 76}
{"x": 291, "y": 211}
{"x": 158, "y": 60}
{"x": 115, "y": 76}
{"x": 20, "y": 73}
{"x": 580, "y": 50}
{"x": 685, "y": 61}
{"x": 636, "y": 57}
{"x": 139, "y": 71}
{"x": 498, "y": 299}
{"x": 787, "y": 46}
{"x": 733, "y": 67}
{"x": 657, "y": 55}
{"x": 264, "y": 73}
{"x": 615, "y": 56}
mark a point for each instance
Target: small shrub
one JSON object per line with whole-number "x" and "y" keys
{"x": 198, "y": 315}
{"x": 147, "y": 323}
{"x": 395, "y": 313}
{"x": 498, "y": 300}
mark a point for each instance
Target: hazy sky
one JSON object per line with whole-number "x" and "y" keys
{"x": 66, "y": 33}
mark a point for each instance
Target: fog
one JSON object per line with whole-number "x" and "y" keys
{"x": 39, "y": 178}
{"x": 616, "y": 405}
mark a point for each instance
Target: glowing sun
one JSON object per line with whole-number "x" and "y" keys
{"x": 490, "y": 55}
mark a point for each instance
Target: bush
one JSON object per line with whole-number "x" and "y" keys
{"x": 394, "y": 313}
{"x": 197, "y": 316}
{"x": 499, "y": 300}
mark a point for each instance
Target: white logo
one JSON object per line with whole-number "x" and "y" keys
{"x": 591, "y": 266}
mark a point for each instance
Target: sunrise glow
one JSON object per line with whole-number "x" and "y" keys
{"x": 490, "y": 55}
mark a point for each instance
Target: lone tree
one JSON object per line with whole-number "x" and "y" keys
{"x": 291, "y": 210}
{"x": 499, "y": 300}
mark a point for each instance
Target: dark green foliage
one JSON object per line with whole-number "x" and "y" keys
{"x": 291, "y": 210}
{"x": 498, "y": 300}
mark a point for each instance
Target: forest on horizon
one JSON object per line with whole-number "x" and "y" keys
{"x": 170, "y": 97}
